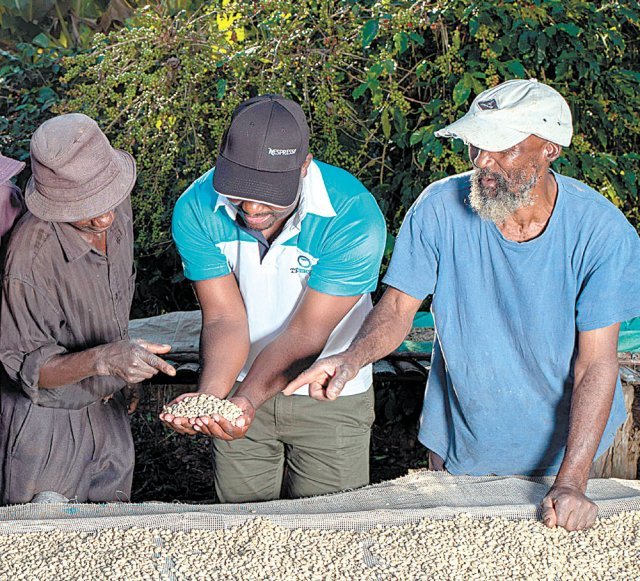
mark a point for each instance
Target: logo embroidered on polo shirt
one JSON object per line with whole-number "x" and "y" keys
{"x": 304, "y": 265}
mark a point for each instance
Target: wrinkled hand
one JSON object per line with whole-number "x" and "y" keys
{"x": 566, "y": 506}
{"x": 133, "y": 361}
{"x": 216, "y": 426}
{"x": 326, "y": 377}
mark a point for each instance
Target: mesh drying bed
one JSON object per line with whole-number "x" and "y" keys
{"x": 420, "y": 495}
{"x": 423, "y": 526}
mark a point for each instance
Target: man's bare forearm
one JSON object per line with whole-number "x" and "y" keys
{"x": 224, "y": 348}
{"x": 590, "y": 407}
{"x": 279, "y": 363}
{"x": 384, "y": 329}
{"x": 62, "y": 370}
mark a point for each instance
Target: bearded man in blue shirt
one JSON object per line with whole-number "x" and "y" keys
{"x": 531, "y": 274}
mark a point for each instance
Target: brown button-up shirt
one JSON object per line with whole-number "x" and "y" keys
{"x": 61, "y": 295}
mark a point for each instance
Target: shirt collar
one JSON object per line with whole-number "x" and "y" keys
{"x": 314, "y": 199}
{"x": 75, "y": 247}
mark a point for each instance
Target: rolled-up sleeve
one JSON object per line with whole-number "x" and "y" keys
{"x": 30, "y": 337}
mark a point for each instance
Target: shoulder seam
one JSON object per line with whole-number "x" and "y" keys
{"x": 13, "y": 278}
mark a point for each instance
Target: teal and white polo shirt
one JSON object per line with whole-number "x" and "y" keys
{"x": 333, "y": 243}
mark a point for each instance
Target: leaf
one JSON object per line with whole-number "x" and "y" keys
{"x": 474, "y": 24}
{"x": 541, "y": 45}
{"x": 360, "y": 90}
{"x": 570, "y": 28}
{"x": 416, "y": 137}
{"x": 516, "y": 68}
{"x": 369, "y": 32}
{"x": 467, "y": 80}
{"x": 417, "y": 38}
{"x": 460, "y": 92}
{"x": 117, "y": 11}
{"x": 401, "y": 41}
{"x": 221, "y": 86}
{"x": 389, "y": 245}
{"x": 42, "y": 40}
{"x": 46, "y": 94}
{"x": 375, "y": 70}
{"x": 386, "y": 125}
{"x": 433, "y": 106}
{"x": 524, "y": 42}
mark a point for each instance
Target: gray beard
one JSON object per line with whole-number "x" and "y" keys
{"x": 498, "y": 204}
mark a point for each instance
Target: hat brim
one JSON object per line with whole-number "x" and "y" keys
{"x": 9, "y": 168}
{"x": 483, "y": 133}
{"x": 97, "y": 204}
{"x": 278, "y": 189}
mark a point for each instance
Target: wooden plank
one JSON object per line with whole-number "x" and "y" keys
{"x": 383, "y": 368}
{"x": 409, "y": 369}
{"x": 621, "y": 459}
{"x": 631, "y": 360}
{"x": 424, "y": 364}
{"x": 409, "y": 355}
{"x": 629, "y": 375}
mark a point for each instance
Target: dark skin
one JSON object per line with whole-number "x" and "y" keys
{"x": 225, "y": 323}
{"x": 132, "y": 361}
{"x": 595, "y": 368}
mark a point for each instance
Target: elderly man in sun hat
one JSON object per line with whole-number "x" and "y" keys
{"x": 11, "y": 204}
{"x": 531, "y": 274}
{"x": 64, "y": 348}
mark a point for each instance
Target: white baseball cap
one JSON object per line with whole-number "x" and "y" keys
{"x": 505, "y": 115}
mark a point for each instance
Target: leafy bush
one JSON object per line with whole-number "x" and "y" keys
{"x": 376, "y": 79}
{"x": 30, "y": 88}
{"x": 60, "y": 23}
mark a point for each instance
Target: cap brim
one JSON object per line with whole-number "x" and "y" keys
{"x": 483, "y": 133}
{"x": 97, "y": 204}
{"x": 271, "y": 188}
{"x": 9, "y": 168}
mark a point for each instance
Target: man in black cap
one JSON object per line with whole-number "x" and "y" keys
{"x": 64, "y": 348}
{"x": 283, "y": 252}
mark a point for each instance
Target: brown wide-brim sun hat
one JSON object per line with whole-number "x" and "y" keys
{"x": 76, "y": 174}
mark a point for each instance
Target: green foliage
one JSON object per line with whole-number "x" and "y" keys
{"x": 60, "y": 23}
{"x": 30, "y": 87}
{"x": 376, "y": 79}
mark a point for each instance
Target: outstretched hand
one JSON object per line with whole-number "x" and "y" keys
{"x": 567, "y": 506}
{"x": 216, "y": 426}
{"x": 326, "y": 377}
{"x": 133, "y": 361}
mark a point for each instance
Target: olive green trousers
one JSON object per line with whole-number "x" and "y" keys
{"x": 297, "y": 447}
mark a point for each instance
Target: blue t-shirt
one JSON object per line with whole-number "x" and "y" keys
{"x": 507, "y": 317}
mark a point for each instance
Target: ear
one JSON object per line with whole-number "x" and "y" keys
{"x": 305, "y": 165}
{"x": 551, "y": 151}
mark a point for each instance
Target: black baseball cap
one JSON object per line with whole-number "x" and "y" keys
{"x": 263, "y": 151}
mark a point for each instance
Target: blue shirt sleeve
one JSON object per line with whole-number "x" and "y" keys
{"x": 349, "y": 262}
{"x": 414, "y": 264}
{"x": 193, "y": 232}
{"x": 610, "y": 291}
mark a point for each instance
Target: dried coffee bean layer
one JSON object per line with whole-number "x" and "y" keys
{"x": 203, "y": 405}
